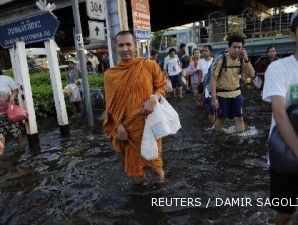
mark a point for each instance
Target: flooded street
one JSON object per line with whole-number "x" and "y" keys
{"x": 79, "y": 180}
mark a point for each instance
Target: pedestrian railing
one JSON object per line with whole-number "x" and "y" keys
{"x": 251, "y": 26}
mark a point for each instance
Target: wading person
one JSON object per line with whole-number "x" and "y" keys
{"x": 205, "y": 64}
{"x": 225, "y": 84}
{"x": 280, "y": 78}
{"x": 93, "y": 60}
{"x": 263, "y": 65}
{"x": 8, "y": 93}
{"x": 172, "y": 68}
{"x": 132, "y": 88}
{"x": 185, "y": 60}
{"x": 75, "y": 99}
{"x": 195, "y": 73}
{"x": 195, "y": 53}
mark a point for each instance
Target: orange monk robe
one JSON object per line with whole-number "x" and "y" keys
{"x": 127, "y": 86}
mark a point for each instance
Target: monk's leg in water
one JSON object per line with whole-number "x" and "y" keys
{"x": 219, "y": 125}
{"x": 239, "y": 124}
{"x": 158, "y": 173}
{"x": 138, "y": 179}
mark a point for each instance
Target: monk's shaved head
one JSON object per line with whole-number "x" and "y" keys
{"x": 126, "y": 32}
{"x": 126, "y": 45}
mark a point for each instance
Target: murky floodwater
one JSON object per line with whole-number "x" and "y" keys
{"x": 79, "y": 180}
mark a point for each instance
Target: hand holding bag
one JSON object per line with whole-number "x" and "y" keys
{"x": 163, "y": 121}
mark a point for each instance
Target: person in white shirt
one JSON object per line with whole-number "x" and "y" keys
{"x": 195, "y": 74}
{"x": 279, "y": 77}
{"x": 172, "y": 68}
{"x": 205, "y": 64}
{"x": 93, "y": 60}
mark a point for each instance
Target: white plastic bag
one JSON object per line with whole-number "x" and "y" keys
{"x": 163, "y": 121}
{"x": 74, "y": 92}
{"x": 149, "y": 148}
{"x": 257, "y": 82}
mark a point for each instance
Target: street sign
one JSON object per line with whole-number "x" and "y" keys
{"x": 142, "y": 34}
{"x": 31, "y": 29}
{"x": 96, "y": 9}
{"x": 97, "y": 30}
{"x": 141, "y": 18}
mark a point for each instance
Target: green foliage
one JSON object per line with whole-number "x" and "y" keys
{"x": 96, "y": 80}
{"x": 157, "y": 39}
{"x": 8, "y": 73}
{"x": 236, "y": 25}
{"x": 43, "y": 93}
{"x": 43, "y": 99}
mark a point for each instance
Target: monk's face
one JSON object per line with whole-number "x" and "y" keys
{"x": 126, "y": 47}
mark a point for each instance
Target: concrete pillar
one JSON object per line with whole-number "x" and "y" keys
{"x": 51, "y": 50}
{"x": 25, "y": 93}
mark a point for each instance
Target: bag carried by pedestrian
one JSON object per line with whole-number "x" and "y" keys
{"x": 282, "y": 158}
{"x": 257, "y": 82}
{"x": 149, "y": 148}
{"x": 16, "y": 113}
{"x": 163, "y": 121}
{"x": 74, "y": 92}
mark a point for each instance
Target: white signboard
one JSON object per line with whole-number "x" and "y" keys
{"x": 96, "y": 9}
{"x": 97, "y": 30}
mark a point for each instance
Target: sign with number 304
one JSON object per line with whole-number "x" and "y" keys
{"x": 96, "y": 9}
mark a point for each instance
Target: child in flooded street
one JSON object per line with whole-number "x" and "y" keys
{"x": 195, "y": 73}
{"x": 226, "y": 94}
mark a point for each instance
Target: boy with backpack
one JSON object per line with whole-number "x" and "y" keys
{"x": 226, "y": 95}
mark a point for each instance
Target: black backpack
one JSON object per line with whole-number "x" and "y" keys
{"x": 225, "y": 66}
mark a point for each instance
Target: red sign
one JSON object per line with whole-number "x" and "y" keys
{"x": 141, "y": 15}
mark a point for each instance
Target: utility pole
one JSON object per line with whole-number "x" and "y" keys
{"x": 80, "y": 52}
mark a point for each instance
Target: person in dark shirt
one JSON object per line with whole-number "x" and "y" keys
{"x": 263, "y": 65}
{"x": 105, "y": 64}
{"x": 183, "y": 57}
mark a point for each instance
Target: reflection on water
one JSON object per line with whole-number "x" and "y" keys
{"x": 250, "y": 131}
{"x": 79, "y": 180}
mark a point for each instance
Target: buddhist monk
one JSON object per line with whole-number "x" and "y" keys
{"x": 132, "y": 88}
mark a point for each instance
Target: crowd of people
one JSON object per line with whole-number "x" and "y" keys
{"x": 97, "y": 64}
{"x": 213, "y": 82}
{"x": 136, "y": 82}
